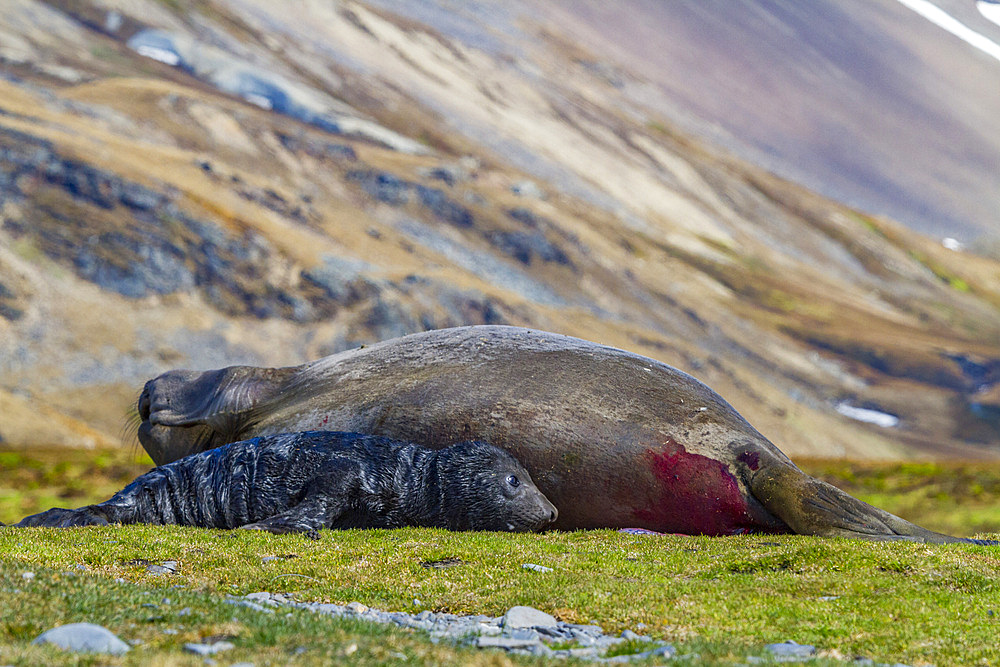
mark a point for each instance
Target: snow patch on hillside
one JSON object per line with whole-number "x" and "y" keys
{"x": 944, "y": 20}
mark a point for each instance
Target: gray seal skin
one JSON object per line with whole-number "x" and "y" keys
{"x": 301, "y": 482}
{"x": 612, "y": 438}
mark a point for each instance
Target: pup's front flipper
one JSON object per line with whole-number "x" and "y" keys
{"x": 58, "y": 517}
{"x": 308, "y": 516}
{"x": 813, "y": 507}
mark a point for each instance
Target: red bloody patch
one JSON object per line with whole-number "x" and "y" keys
{"x": 698, "y": 496}
{"x": 752, "y": 459}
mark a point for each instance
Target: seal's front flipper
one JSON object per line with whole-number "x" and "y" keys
{"x": 309, "y": 515}
{"x": 58, "y": 517}
{"x": 812, "y": 507}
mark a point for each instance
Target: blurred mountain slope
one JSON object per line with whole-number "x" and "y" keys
{"x": 469, "y": 164}
{"x": 866, "y": 102}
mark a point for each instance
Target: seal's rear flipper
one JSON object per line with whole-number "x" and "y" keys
{"x": 812, "y": 507}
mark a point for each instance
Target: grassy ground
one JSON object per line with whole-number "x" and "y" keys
{"x": 719, "y": 597}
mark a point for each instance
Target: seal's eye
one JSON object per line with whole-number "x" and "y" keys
{"x": 513, "y": 481}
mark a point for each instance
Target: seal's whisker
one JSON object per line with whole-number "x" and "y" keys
{"x": 128, "y": 434}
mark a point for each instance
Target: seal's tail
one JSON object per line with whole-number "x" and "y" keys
{"x": 813, "y": 507}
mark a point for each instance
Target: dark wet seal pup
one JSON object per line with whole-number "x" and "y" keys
{"x": 613, "y": 439}
{"x": 300, "y": 482}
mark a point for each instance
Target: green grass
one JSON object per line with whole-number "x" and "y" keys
{"x": 722, "y": 598}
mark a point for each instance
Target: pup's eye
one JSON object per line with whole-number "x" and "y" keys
{"x": 513, "y": 481}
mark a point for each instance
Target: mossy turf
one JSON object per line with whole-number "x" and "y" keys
{"x": 722, "y": 598}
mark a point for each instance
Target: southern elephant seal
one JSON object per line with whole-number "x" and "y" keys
{"x": 301, "y": 482}
{"x": 613, "y": 439}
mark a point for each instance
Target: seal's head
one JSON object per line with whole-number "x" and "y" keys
{"x": 186, "y": 412}
{"x": 485, "y": 488}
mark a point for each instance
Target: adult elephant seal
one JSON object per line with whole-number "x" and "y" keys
{"x": 612, "y": 438}
{"x": 302, "y": 482}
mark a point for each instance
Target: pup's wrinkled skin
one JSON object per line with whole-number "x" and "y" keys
{"x": 300, "y": 482}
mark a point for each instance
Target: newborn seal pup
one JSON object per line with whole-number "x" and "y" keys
{"x": 299, "y": 482}
{"x": 613, "y": 439}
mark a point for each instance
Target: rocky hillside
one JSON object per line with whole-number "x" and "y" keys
{"x": 199, "y": 184}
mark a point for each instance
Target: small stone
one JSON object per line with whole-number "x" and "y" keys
{"x": 791, "y": 649}
{"x": 356, "y": 607}
{"x": 666, "y": 651}
{"x": 166, "y": 567}
{"x": 250, "y": 605}
{"x": 536, "y": 568}
{"x": 629, "y": 635}
{"x": 487, "y": 629}
{"x": 83, "y": 637}
{"x": 350, "y": 649}
{"x": 589, "y": 630}
{"x": 208, "y": 649}
{"x": 524, "y": 634}
{"x": 582, "y": 653}
{"x": 527, "y": 617}
{"x": 505, "y": 642}
{"x": 27, "y": 576}
{"x": 607, "y": 642}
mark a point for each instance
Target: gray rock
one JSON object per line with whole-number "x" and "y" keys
{"x": 250, "y": 605}
{"x": 208, "y": 649}
{"x": 84, "y": 638}
{"x": 584, "y": 630}
{"x": 527, "y": 617}
{"x": 536, "y": 568}
{"x": 791, "y": 649}
{"x": 525, "y": 634}
{"x": 166, "y": 567}
{"x": 505, "y": 642}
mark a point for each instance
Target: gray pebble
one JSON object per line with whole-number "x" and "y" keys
{"x": 83, "y": 637}
{"x": 166, "y": 567}
{"x": 525, "y": 634}
{"x": 250, "y": 605}
{"x": 208, "y": 649}
{"x": 527, "y": 617}
{"x": 791, "y": 649}
{"x": 524, "y": 630}
{"x": 505, "y": 642}
{"x": 536, "y": 568}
